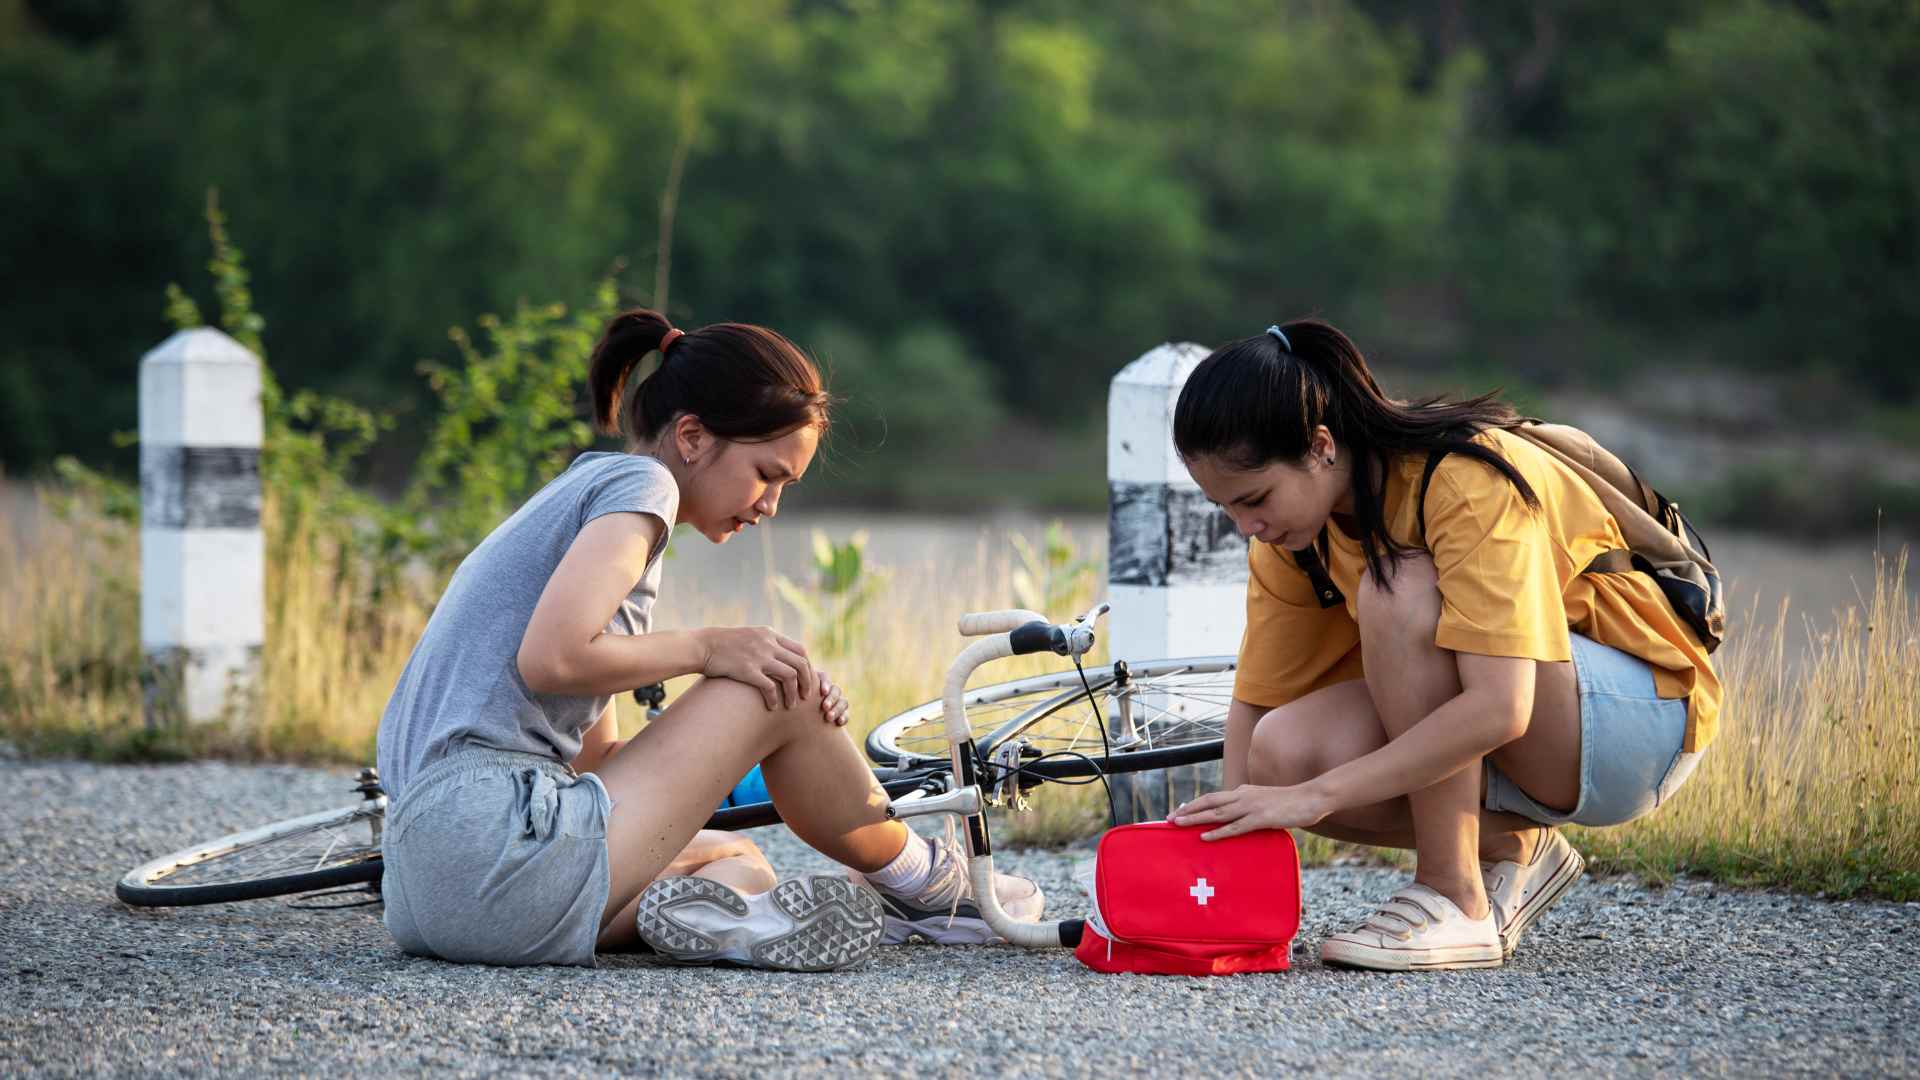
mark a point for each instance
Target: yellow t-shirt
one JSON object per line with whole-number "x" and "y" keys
{"x": 1510, "y": 585}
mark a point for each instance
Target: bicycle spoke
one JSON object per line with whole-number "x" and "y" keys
{"x": 1170, "y": 707}
{"x": 313, "y": 849}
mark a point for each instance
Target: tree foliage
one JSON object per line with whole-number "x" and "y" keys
{"x": 976, "y": 203}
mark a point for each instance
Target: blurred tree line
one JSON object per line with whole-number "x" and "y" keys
{"x": 973, "y": 210}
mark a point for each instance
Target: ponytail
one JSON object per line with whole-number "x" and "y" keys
{"x": 627, "y": 341}
{"x": 744, "y": 382}
{"x": 1257, "y": 401}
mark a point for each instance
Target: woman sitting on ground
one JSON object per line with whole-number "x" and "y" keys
{"x": 1463, "y": 689}
{"x": 523, "y": 830}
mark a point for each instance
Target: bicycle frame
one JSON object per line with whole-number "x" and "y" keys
{"x": 967, "y": 799}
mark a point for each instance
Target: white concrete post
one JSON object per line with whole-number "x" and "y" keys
{"x": 202, "y": 557}
{"x": 1176, "y": 568}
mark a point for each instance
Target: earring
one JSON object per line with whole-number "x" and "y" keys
{"x": 1329, "y": 461}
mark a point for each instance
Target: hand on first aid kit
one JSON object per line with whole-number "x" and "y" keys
{"x": 1247, "y": 808}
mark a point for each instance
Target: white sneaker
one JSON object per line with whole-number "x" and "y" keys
{"x": 820, "y": 922}
{"x": 944, "y": 911}
{"x": 1522, "y": 893}
{"x": 1417, "y": 929}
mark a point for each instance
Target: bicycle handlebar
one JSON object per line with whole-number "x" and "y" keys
{"x": 997, "y": 622}
{"x": 1012, "y": 631}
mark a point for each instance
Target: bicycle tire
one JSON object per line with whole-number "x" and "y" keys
{"x": 1016, "y": 708}
{"x": 159, "y": 882}
{"x": 146, "y": 885}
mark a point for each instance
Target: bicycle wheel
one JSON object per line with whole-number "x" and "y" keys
{"x": 1144, "y": 706}
{"x": 304, "y": 854}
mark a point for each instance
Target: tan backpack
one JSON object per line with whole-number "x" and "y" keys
{"x": 1661, "y": 542}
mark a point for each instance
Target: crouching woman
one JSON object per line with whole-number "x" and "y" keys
{"x": 1426, "y": 665}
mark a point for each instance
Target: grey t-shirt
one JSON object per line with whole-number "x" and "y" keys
{"x": 462, "y": 686}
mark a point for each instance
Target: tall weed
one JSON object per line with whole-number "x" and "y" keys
{"x": 1814, "y": 780}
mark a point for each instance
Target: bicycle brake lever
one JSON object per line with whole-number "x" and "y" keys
{"x": 1093, "y": 613}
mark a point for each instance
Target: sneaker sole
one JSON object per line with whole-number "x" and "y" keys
{"x": 1369, "y": 958}
{"x": 1564, "y": 876}
{"x": 831, "y": 923}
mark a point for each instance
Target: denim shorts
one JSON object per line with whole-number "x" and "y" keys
{"x": 1630, "y": 739}
{"x": 498, "y": 857}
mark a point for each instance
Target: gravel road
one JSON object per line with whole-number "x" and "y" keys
{"x": 1619, "y": 979}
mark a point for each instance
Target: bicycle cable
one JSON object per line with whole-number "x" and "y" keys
{"x": 1106, "y": 748}
{"x": 1000, "y": 772}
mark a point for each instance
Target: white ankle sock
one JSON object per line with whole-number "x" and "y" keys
{"x": 907, "y": 874}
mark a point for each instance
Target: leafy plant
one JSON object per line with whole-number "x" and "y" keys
{"x": 1053, "y": 578}
{"x": 834, "y": 604}
{"x": 511, "y": 417}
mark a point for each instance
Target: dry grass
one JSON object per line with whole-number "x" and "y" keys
{"x": 70, "y": 670}
{"x": 1811, "y": 784}
{"x": 1812, "y": 781}
{"x": 69, "y": 623}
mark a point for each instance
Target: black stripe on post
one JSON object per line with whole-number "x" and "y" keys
{"x": 200, "y": 487}
{"x": 1163, "y": 535}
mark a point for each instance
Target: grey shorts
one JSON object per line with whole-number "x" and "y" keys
{"x": 1630, "y": 739}
{"x": 496, "y": 857}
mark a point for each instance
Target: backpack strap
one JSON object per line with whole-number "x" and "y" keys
{"x": 1619, "y": 561}
{"x": 1324, "y": 590}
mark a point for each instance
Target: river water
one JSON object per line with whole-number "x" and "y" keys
{"x": 1758, "y": 571}
{"x": 925, "y": 553}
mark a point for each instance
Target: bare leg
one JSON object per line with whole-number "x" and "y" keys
{"x": 666, "y": 781}
{"x": 1410, "y": 677}
{"x": 1330, "y": 727}
{"x": 729, "y": 858}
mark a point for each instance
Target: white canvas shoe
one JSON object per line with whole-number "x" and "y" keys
{"x": 1522, "y": 892}
{"x": 1417, "y": 929}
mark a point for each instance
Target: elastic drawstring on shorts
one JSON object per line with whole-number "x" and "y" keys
{"x": 541, "y": 797}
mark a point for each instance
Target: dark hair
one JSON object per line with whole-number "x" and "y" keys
{"x": 746, "y": 383}
{"x": 1254, "y": 402}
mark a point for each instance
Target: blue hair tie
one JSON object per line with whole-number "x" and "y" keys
{"x": 1280, "y": 336}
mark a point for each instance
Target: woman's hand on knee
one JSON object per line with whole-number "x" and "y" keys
{"x": 833, "y": 701}
{"x": 1249, "y": 807}
{"x": 760, "y": 657}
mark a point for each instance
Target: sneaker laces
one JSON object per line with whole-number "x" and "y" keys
{"x": 949, "y": 870}
{"x": 948, "y": 876}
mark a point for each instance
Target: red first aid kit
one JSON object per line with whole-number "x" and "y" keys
{"x": 1166, "y": 902}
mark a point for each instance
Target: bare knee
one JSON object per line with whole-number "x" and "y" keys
{"x": 1406, "y": 603}
{"x": 783, "y": 721}
{"x": 1323, "y": 730}
{"x": 1280, "y": 754}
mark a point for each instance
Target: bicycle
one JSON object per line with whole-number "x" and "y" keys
{"x": 961, "y": 754}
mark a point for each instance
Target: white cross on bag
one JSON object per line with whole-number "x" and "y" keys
{"x": 1201, "y": 891}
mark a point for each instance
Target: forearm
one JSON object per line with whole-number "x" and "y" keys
{"x": 592, "y": 758}
{"x": 1241, "y": 718}
{"x": 616, "y": 663}
{"x": 1452, "y": 737}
